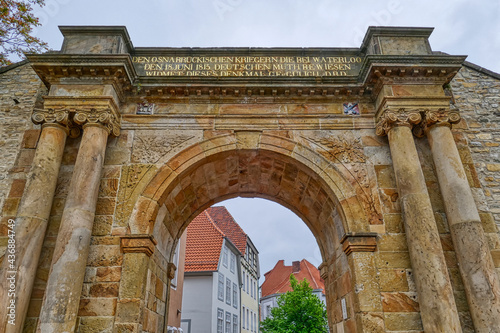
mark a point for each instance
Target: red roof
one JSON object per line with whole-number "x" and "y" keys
{"x": 278, "y": 279}
{"x": 228, "y": 225}
{"x": 205, "y": 235}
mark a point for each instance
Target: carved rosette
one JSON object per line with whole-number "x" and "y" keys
{"x": 55, "y": 117}
{"x": 391, "y": 119}
{"x": 104, "y": 117}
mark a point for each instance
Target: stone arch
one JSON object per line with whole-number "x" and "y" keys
{"x": 171, "y": 179}
{"x": 257, "y": 164}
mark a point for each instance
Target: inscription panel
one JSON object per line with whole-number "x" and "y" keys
{"x": 274, "y": 66}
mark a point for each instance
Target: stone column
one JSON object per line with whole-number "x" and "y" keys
{"x": 478, "y": 273}
{"x": 437, "y": 304}
{"x": 33, "y": 213}
{"x": 64, "y": 285}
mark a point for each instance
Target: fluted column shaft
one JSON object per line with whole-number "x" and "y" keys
{"x": 32, "y": 219}
{"x": 62, "y": 296}
{"x": 478, "y": 273}
{"x": 437, "y": 303}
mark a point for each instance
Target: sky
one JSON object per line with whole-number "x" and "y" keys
{"x": 461, "y": 27}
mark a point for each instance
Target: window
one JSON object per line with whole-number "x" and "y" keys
{"x": 220, "y": 290}
{"x": 228, "y": 322}
{"x": 224, "y": 256}
{"x": 268, "y": 310}
{"x": 243, "y": 317}
{"x": 255, "y": 289}
{"x": 251, "y": 320}
{"x": 235, "y": 323}
{"x": 233, "y": 262}
{"x": 255, "y": 322}
{"x": 235, "y": 296}
{"x": 251, "y": 288}
{"x": 173, "y": 284}
{"x": 248, "y": 320}
{"x": 248, "y": 286}
{"x": 220, "y": 321}
{"x": 243, "y": 281}
{"x": 228, "y": 291}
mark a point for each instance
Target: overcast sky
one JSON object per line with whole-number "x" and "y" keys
{"x": 462, "y": 27}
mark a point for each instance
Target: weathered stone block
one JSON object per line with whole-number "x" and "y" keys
{"x": 105, "y": 255}
{"x": 30, "y": 138}
{"x": 403, "y": 321}
{"x": 129, "y": 311}
{"x": 393, "y": 243}
{"x": 97, "y": 307}
{"x": 17, "y": 188}
{"x": 10, "y": 206}
{"x": 102, "y": 225}
{"x": 95, "y": 325}
{"x": 104, "y": 289}
{"x": 393, "y": 280}
{"x": 392, "y": 260}
{"x": 393, "y": 223}
{"x": 399, "y": 302}
{"x": 105, "y": 206}
{"x": 25, "y": 157}
{"x": 108, "y": 274}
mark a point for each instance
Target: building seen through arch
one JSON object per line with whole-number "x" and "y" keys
{"x": 387, "y": 152}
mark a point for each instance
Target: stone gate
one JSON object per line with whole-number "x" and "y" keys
{"x": 376, "y": 148}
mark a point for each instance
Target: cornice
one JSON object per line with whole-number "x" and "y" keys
{"x": 359, "y": 242}
{"x": 410, "y": 66}
{"x": 115, "y": 69}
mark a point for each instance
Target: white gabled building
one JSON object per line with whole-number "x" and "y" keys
{"x": 221, "y": 276}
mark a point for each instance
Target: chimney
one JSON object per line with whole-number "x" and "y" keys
{"x": 295, "y": 266}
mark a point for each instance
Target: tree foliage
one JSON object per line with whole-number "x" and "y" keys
{"x": 16, "y": 29}
{"x": 298, "y": 311}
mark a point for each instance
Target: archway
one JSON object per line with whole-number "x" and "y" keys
{"x": 257, "y": 164}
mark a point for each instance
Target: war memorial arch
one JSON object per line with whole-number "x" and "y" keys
{"x": 386, "y": 152}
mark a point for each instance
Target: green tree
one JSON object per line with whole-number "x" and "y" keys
{"x": 16, "y": 28}
{"x": 298, "y": 311}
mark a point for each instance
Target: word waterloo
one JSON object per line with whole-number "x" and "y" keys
{"x": 241, "y": 66}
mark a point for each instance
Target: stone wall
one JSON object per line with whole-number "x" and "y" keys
{"x": 20, "y": 91}
{"x": 476, "y": 93}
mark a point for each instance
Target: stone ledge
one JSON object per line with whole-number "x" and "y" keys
{"x": 138, "y": 244}
{"x": 359, "y": 242}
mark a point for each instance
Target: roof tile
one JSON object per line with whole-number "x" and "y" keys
{"x": 278, "y": 279}
{"x": 205, "y": 235}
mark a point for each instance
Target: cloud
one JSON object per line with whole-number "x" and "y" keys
{"x": 275, "y": 230}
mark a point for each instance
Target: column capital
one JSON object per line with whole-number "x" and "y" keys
{"x": 99, "y": 116}
{"x": 56, "y": 117}
{"x": 441, "y": 117}
{"x": 393, "y": 118}
{"x": 88, "y": 111}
